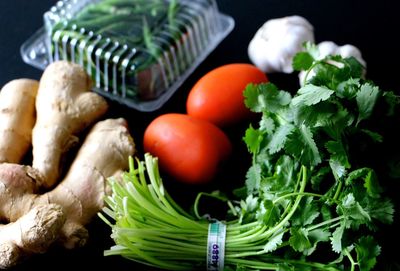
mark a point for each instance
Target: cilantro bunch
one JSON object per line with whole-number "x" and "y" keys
{"x": 309, "y": 182}
{"x": 313, "y": 199}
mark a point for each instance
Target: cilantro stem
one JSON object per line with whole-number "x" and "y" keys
{"x": 297, "y": 194}
{"x": 315, "y": 63}
{"x": 293, "y": 209}
{"x": 244, "y": 235}
{"x": 252, "y": 252}
{"x": 353, "y": 263}
{"x": 242, "y": 227}
{"x": 338, "y": 190}
{"x": 264, "y": 263}
{"x": 335, "y": 225}
{"x": 155, "y": 180}
{"x": 290, "y": 205}
{"x": 255, "y": 264}
{"x": 197, "y": 200}
{"x": 282, "y": 120}
{"x": 326, "y": 222}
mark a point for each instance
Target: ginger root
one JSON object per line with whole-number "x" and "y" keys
{"x": 104, "y": 153}
{"x": 80, "y": 195}
{"x": 65, "y": 107}
{"x": 34, "y": 232}
{"x": 35, "y": 210}
{"x": 17, "y": 118}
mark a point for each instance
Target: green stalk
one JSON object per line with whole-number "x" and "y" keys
{"x": 293, "y": 209}
{"x": 338, "y": 190}
{"x": 273, "y": 263}
{"x": 353, "y": 263}
{"x": 151, "y": 237}
{"x": 315, "y": 63}
{"x": 238, "y": 237}
{"x": 297, "y": 194}
{"x": 149, "y": 229}
{"x": 324, "y": 223}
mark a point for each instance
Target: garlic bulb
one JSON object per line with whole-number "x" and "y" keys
{"x": 277, "y": 41}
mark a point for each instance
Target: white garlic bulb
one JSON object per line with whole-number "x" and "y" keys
{"x": 274, "y": 45}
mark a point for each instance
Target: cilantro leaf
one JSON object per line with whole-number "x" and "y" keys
{"x": 274, "y": 242}
{"x": 299, "y": 239}
{"x": 367, "y": 250}
{"x": 372, "y": 185}
{"x": 300, "y": 144}
{"x": 265, "y": 97}
{"x": 355, "y": 68}
{"x": 316, "y": 236}
{"x": 253, "y": 138}
{"x": 356, "y": 174}
{"x": 348, "y": 89}
{"x": 267, "y": 124}
{"x": 369, "y": 177}
{"x": 311, "y": 94}
{"x": 314, "y": 116}
{"x": 302, "y": 61}
{"x": 331, "y": 71}
{"x": 352, "y": 209}
{"x": 338, "y": 152}
{"x": 306, "y": 214}
{"x": 336, "y": 124}
{"x": 268, "y": 213}
{"x": 253, "y": 178}
{"x": 336, "y": 239}
{"x": 366, "y": 99}
{"x": 285, "y": 173}
{"x": 381, "y": 210}
{"x": 337, "y": 168}
{"x": 250, "y": 204}
{"x": 338, "y": 161}
{"x": 278, "y": 139}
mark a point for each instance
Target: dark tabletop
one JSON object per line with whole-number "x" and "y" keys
{"x": 372, "y": 26}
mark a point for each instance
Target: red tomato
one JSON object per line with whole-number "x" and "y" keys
{"x": 218, "y": 96}
{"x": 188, "y": 148}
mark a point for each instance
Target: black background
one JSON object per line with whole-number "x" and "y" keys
{"x": 372, "y": 26}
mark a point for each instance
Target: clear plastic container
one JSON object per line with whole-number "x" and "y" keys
{"x": 138, "y": 52}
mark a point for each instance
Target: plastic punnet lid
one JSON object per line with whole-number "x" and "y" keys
{"x": 138, "y": 52}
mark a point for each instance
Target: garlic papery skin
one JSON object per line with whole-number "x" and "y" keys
{"x": 274, "y": 45}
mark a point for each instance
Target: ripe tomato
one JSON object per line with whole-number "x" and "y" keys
{"x": 188, "y": 148}
{"x": 218, "y": 96}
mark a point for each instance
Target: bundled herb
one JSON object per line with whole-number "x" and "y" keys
{"x": 309, "y": 201}
{"x": 150, "y": 228}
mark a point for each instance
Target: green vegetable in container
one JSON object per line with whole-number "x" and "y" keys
{"x": 133, "y": 49}
{"x": 312, "y": 199}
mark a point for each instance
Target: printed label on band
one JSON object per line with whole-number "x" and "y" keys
{"x": 216, "y": 246}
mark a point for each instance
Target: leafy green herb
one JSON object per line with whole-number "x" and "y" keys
{"x": 367, "y": 251}
{"x": 306, "y": 189}
{"x": 315, "y": 127}
{"x": 150, "y": 228}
